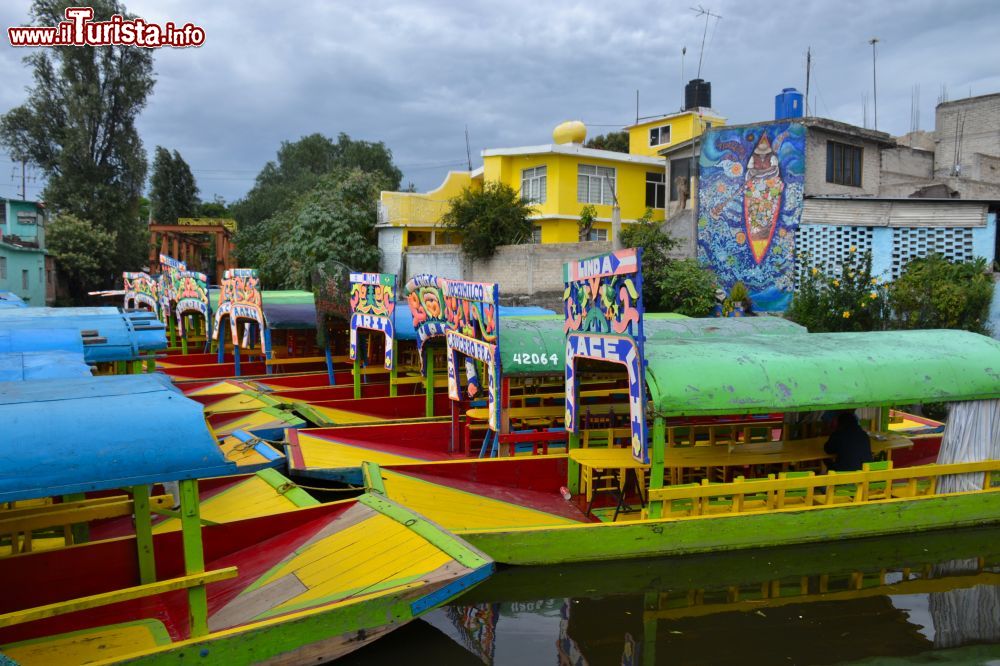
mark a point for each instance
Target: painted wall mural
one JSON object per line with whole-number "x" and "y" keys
{"x": 750, "y": 191}
{"x": 373, "y": 307}
{"x": 240, "y": 300}
{"x": 425, "y": 295}
{"x": 603, "y": 309}
{"x": 141, "y": 290}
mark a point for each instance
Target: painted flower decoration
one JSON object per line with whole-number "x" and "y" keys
{"x": 735, "y": 169}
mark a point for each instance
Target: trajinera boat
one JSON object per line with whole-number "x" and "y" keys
{"x": 302, "y": 586}
{"x": 748, "y": 482}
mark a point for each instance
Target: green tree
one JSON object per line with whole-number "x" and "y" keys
{"x": 655, "y": 244}
{"x": 616, "y": 141}
{"x": 83, "y": 251}
{"x": 840, "y": 297}
{"x": 215, "y": 208}
{"x": 334, "y": 220}
{"x": 934, "y": 292}
{"x": 78, "y": 127}
{"x": 173, "y": 192}
{"x": 489, "y": 217}
{"x": 300, "y": 166}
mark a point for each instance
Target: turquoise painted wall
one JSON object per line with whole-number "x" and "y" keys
{"x": 22, "y": 269}
{"x": 23, "y": 265}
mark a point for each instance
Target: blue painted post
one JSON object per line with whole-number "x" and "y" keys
{"x": 221, "y": 344}
{"x": 329, "y": 366}
{"x": 236, "y": 358}
{"x": 267, "y": 351}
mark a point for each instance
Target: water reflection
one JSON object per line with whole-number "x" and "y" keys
{"x": 892, "y": 598}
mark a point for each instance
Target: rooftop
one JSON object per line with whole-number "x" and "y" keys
{"x": 698, "y": 111}
{"x": 572, "y": 149}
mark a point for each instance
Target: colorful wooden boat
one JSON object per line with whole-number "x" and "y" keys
{"x": 300, "y": 586}
{"x": 512, "y": 508}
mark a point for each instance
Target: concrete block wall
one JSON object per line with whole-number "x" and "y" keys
{"x": 815, "y": 183}
{"x": 974, "y": 123}
{"x": 902, "y": 165}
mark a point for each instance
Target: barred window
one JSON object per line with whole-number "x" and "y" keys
{"x": 533, "y": 183}
{"x": 595, "y": 184}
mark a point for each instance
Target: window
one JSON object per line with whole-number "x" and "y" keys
{"x": 414, "y": 238}
{"x": 680, "y": 177}
{"x": 536, "y": 234}
{"x": 3, "y": 268}
{"x": 656, "y": 189}
{"x": 24, "y": 279}
{"x": 595, "y": 184}
{"x": 659, "y": 135}
{"x": 533, "y": 184}
{"x": 597, "y": 235}
{"x": 843, "y": 163}
{"x": 27, "y": 218}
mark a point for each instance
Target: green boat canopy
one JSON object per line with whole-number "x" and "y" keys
{"x": 821, "y": 371}
{"x": 536, "y": 345}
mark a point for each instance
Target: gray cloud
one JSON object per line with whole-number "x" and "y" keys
{"x": 415, "y": 74}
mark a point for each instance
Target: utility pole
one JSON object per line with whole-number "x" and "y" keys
{"x": 873, "y": 41}
{"x": 468, "y": 150}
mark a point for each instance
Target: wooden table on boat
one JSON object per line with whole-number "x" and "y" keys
{"x": 765, "y": 453}
{"x": 593, "y": 460}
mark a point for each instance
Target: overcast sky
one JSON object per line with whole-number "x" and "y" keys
{"x": 415, "y": 74}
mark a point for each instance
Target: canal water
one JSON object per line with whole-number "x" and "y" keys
{"x": 926, "y": 598}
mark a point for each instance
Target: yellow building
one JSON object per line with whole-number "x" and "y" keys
{"x": 560, "y": 179}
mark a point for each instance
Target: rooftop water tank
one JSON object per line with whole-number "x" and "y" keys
{"x": 788, "y": 104}
{"x": 571, "y": 131}
{"x": 697, "y": 93}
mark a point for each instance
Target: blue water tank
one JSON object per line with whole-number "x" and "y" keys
{"x": 788, "y": 104}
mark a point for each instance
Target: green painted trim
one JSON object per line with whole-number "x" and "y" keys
{"x": 701, "y": 534}
{"x": 156, "y": 629}
{"x": 273, "y": 638}
{"x": 429, "y": 382}
{"x": 310, "y": 414}
{"x": 194, "y": 556}
{"x": 572, "y": 466}
{"x": 445, "y": 541}
{"x": 656, "y": 463}
{"x": 372, "y": 474}
{"x": 287, "y": 488}
{"x": 144, "y": 534}
{"x": 356, "y": 375}
{"x": 394, "y": 370}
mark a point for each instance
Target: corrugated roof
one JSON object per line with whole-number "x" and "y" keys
{"x": 820, "y": 371}
{"x": 894, "y": 212}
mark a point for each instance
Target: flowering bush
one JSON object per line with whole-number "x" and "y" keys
{"x": 842, "y": 297}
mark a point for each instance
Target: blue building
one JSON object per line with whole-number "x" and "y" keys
{"x": 25, "y": 267}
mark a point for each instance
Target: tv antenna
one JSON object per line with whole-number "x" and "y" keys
{"x": 708, "y": 14}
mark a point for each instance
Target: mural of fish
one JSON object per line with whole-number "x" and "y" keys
{"x": 762, "y": 198}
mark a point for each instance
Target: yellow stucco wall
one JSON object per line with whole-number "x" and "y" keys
{"x": 561, "y": 190}
{"x": 683, "y": 126}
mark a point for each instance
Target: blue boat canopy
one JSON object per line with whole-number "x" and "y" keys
{"x": 112, "y": 335}
{"x": 99, "y": 433}
{"x": 9, "y": 299}
{"x": 40, "y": 340}
{"x": 27, "y": 366}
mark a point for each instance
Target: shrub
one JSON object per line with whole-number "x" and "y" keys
{"x": 655, "y": 243}
{"x": 687, "y": 288}
{"x": 933, "y": 292}
{"x": 844, "y": 297}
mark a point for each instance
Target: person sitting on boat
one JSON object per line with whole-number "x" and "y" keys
{"x": 849, "y": 443}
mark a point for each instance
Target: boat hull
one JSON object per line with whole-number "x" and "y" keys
{"x": 714, "y": 533}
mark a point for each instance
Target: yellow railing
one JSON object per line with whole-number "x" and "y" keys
{"x": 116, "y": 596}
{"x": 807, "y": 489}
